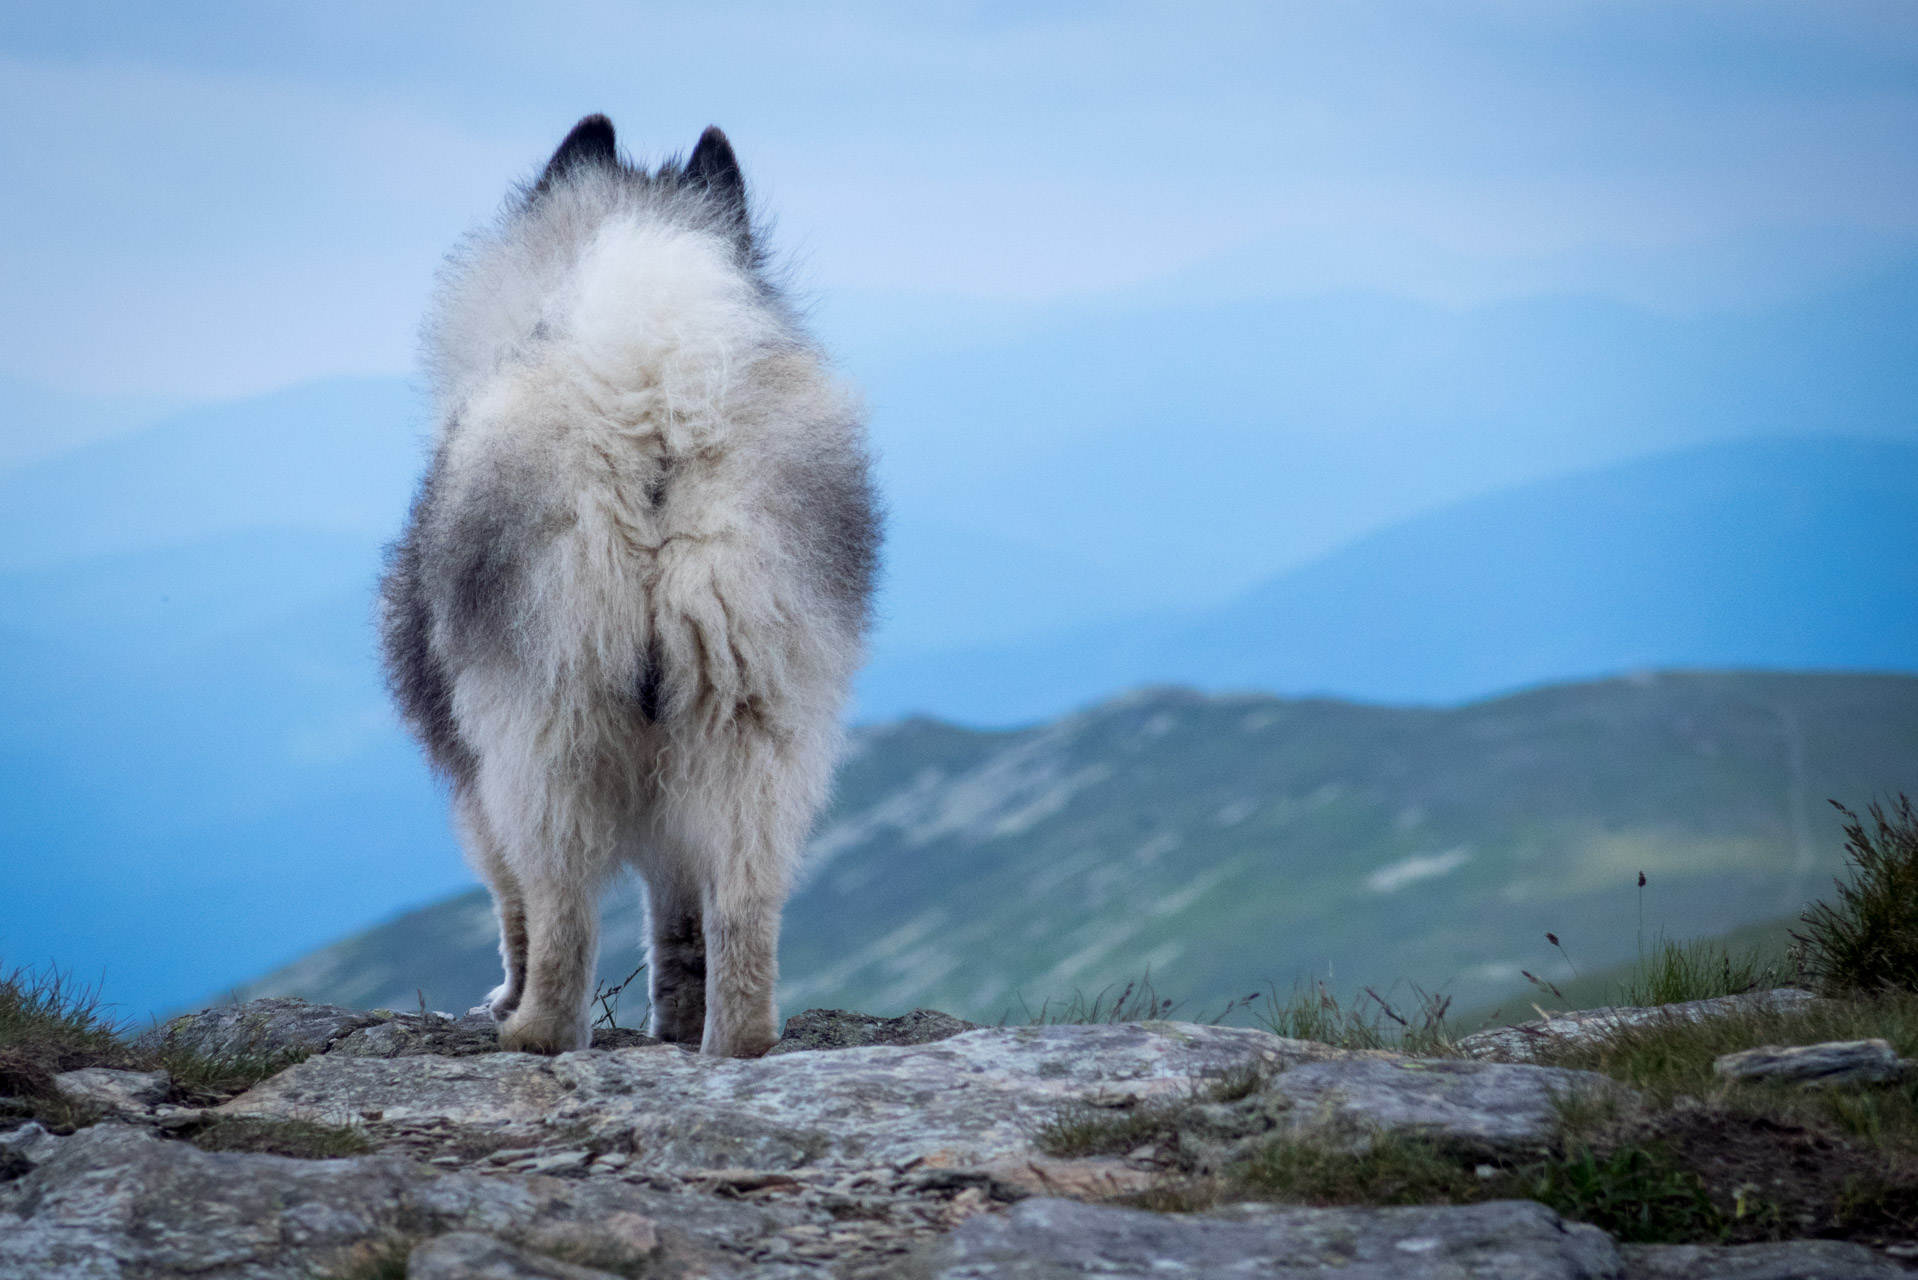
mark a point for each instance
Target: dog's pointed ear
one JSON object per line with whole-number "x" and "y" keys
{"x": 589, "y": 144}
{"x": 713, "y": 166}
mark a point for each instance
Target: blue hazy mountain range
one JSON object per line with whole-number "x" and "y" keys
{"x": 1778, "y": 554}
{"x": 201, "y": 778}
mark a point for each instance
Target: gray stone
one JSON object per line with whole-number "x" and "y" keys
{"x": 838, "y": 1029}
{"x": 1833, "y": 1064}
{"x": 970, "y": 1099}
{"x": 413, "y": 1035}
{"x": 1041, "y": 1239}
{"x": 277, "y": 1026}
{"x": 1489, "y": 1105}
{"x": 1786, "y": 1260}
{"x": 115, "y": 1092}
{"x": 114, "y": 1200}
{"x": 1522, "y": 1043}
{"x": 465, "y": 1255}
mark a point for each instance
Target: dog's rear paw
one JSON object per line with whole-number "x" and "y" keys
{"x": 527, "y": 1032}
{"x": 501, "y": 1001}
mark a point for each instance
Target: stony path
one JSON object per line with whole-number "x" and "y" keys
{"x": 883, "y": 1160}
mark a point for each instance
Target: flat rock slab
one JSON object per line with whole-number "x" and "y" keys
{"x": 1523, "y": 1042}
{"x": 839, "y": 1029}
{"x": 278, "y": 1026}
{"x": 466, "y": 1255}
{"x": 114, "y": 1091}
{"x": 1834, "y": 1064}
{"x": 1786, "y": 1260}
{"x": 118, "y": 1201}
{"x": 288, "y": 1027}
{"x": 969, "y": 1099}
{"x": 1486, "y": 1104}
{"x": 1061, "y": 1239}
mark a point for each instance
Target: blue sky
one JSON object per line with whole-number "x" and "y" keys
{"x": 207, "y": 200}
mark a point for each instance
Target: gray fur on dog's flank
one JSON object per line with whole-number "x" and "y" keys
{"x": 634, "y": 585}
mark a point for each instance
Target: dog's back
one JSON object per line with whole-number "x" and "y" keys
{"x": 632, "y": 593}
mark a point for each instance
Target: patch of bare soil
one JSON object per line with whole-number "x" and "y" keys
{"x": 1775, "y": 1180}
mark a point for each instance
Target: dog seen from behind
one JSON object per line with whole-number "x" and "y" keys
{"x": 634, "y": 585}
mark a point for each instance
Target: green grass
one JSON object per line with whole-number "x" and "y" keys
{"x": 50, "y": 1023}
{"x": 1312, "y": 1012}
{"x": 381, "y": 1259}
{"x": 306, "y": 1139}
{"x": 1390, "y": 1170}
{"x": 1637, "y": 1193}
{"x": 1868, "y": 939}
{"x": 1701, "y": 969}
{"x": 1136, "y": 1001}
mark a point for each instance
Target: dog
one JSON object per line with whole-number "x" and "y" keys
{"x": 634, "y": 584}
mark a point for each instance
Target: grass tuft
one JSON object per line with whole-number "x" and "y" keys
{"x": 1391, "y": 1169}
{"x": 50, "y": 1023}
{"x": 1311, "y": 1012}
{"x": 1637, "y": 1193}
{"x": 205, "y": 1079}
{"x": 305, "y": 1139}
{"x": 1868, "y": 939}
{"x": 1135, "y": 1002}
{"x": 1702, "y": 969}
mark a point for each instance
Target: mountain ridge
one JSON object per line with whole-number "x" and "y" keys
{"x": 1224, "y": 841}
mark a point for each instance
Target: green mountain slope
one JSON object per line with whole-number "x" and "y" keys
{"x": 1224, "y": 842}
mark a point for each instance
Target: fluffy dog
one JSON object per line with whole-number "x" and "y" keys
{"x": 634, "y": 585}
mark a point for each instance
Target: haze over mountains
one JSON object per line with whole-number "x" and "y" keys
{"x": 202, "y": 779}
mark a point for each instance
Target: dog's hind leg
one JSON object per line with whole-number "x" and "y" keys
{"x": 742, "y": 949}
{"x": 676, "y": 958}
{"x": 562, "y": 944}
{"x": 743, "y": 833}
{"x": 509, "y": 903}
{"x": 561, "y": 856}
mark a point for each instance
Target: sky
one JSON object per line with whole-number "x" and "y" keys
{"x": 202, "y": 201}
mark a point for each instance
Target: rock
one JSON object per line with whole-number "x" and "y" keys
{"x": 1093, "y": 1179}
{"x": 288, "y": 1027}
{"x": 1834, "y": 1064}
{"x": 1480, "y": 1106}
{"x": 277, "y": 1026}
{"x": 412, "y": 1035}
{"x": 1045, "y": 1239}
{"x": 838, "y": 1029}
{"x": 970, "y": 1099}
{"x": 1522, "y": 1043}
{"x": 464, "y": 1255}
{"x": 1786, "y": 1260}
{"x": 115, "y": 1092}
{"x": 114, "y": 1200}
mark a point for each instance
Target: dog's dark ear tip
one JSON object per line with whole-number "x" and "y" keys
{"x": 712, "y": 161}
{"x": 591, "y": 142}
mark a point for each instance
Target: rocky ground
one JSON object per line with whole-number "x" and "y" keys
{"x": 407, "y": 1145}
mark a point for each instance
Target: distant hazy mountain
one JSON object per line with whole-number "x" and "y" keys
{"x": 339, "y": 456}
{"x": 1224, "y": 842}
{"x": 1793, "y": 553}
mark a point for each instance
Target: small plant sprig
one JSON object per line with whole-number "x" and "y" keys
{"x": 607, "y": 998}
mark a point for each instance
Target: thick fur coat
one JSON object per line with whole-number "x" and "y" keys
{"x": 634, "y": 585}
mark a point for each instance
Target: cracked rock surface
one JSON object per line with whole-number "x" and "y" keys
{"x": 1042, "y": 1239}
{"x": 970, "y": 1099}
{"x": 867, "y": 1148}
